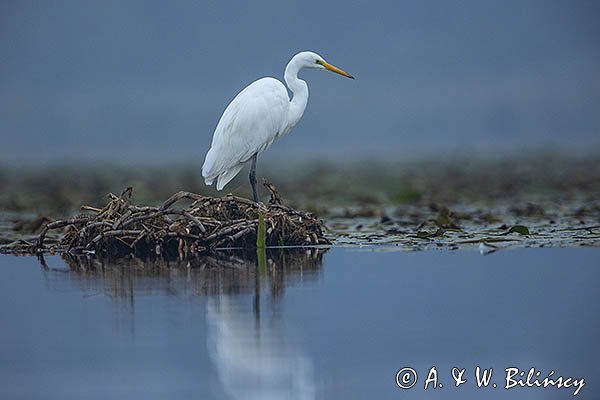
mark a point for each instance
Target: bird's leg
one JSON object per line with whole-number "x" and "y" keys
{"x": 252, "y": 177}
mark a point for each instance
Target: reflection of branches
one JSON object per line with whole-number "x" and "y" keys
{"x": 227, "y": 272}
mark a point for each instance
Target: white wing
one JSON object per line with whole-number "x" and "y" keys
{"x": 248, "y": 126}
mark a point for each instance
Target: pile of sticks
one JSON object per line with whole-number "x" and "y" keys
{"x": 203, "y": 225}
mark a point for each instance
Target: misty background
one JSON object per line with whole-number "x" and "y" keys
{"x": 146, "y": 81}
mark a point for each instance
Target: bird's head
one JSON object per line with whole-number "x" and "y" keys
{"x": 308, "y": 59}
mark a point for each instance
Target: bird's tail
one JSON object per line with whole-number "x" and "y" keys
{"x": 228, "y": 175}
{"x": 212, "y": 171}
{"x": 207, "y": 168}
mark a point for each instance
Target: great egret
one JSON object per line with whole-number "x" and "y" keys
{"x": 258, "y": 115}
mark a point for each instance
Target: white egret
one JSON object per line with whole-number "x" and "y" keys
{"x": 258, "y": 115}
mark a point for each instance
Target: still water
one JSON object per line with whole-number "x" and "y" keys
{"x": 305, "y": 325}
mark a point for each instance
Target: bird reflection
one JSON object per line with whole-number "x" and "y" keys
{"x": 256, "y": 358}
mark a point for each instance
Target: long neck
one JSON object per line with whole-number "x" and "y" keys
{"x": 299, "y": 89}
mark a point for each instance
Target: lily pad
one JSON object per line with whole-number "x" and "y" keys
{"x": 520, "y": 229}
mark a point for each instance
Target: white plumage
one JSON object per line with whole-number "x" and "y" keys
{"x": 251, "y": 122}
{"x": 258, "y": 115}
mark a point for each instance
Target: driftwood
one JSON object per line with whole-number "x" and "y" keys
{"x": 203, "y": 225}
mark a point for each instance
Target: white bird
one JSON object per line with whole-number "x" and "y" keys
{"x": 258, "y": 115}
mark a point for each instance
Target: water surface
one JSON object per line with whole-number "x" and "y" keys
{"x": 305, "y": 325}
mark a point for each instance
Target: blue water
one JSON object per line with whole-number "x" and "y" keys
{"x": 336, "y": 327}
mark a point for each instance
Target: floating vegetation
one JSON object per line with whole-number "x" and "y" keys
{"x": 430, "y": 227}
{"x": 175, "y": 230}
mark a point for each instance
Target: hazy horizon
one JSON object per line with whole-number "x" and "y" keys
{"x": 148, "y": 81}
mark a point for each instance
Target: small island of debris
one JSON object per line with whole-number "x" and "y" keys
{"x": 186, "y": 224}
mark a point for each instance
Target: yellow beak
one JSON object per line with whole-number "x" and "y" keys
{"x": 332, "y": 68}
